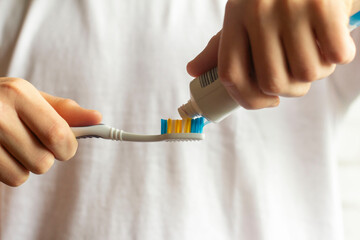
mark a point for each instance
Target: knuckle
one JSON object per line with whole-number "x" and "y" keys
{"x": 318, "y": 5}
{"x": 13, "y": 85}
{"x": 256, "y": 14}
{"x": 273, "y": 82}
{"x": 67, "y": 102}
{"x": 61, "y": 141}
{"x": 340, "y": 57}
{"x": 308, "y": 74}
{"x": 12, "y": 89}
{"x": 226, "y": 76}
{"x": 253, "y": 13}
{"x": 290, "y": 8}
{"x": 252, "y": 104}
{"x": 43, "y": 164}
{"x": 271, "y": 87}
{"x": 69, "y": 152}
{"x": 17, "y": 179}
{"x": 259, "y": 7}
{"x": 57, "y": 134}
{"x": 5, "y": 110}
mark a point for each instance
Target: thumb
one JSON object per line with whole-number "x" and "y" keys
{"x": 71, "y": 112}
{"x": 207, "y": 59}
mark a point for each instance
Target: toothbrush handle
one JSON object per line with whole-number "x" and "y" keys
{"x": 107, "y": 132}
{"x": 100, "y": 131}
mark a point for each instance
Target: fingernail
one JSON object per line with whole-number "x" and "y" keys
{"x": 276, "y": 102}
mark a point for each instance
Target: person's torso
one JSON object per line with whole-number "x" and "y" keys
{"x": 264, "y": 174}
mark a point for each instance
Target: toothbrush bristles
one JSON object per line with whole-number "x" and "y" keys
{"x": 188, "y": 125}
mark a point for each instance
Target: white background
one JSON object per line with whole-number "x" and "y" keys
{"x": 349, "y": 171}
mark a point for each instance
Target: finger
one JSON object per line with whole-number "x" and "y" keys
{"x": 38, "y": 115}
{"x": 271, "y": 65}
{"x": 207, "y": 59}
{"x": 269, "y": 59}
{"x": 73, "y": 114}
{"x": 23, "y": 145}
{"x": 331, "y": 29}
{"x": 305, "y": 60}
{"x": 234, "y": 64}
{"x": 12, "y": 173}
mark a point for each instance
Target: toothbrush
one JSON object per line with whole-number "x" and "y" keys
{"x": 171, "y": 131}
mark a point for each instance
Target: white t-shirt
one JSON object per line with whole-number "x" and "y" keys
{"x": 269, "y": 174}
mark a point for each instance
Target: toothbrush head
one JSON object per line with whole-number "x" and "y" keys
{"x": 187, "y": 125}
{"x": 183, "y": 130}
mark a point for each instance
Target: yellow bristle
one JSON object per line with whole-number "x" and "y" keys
{"x": 169, "y": 125}
{"x": 178, "y": 126}
{"x": 173, "y": 129}
{"x": 183, "y": 125}
{"x": 188, "y": 125}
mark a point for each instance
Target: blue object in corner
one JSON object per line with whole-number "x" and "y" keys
{"x": 355, "y": 20}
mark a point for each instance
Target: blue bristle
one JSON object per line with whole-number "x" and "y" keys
{"x": 192, "y": 126}
{"x": 201, "y": 125}
{"x": 197, "y": 127}
{"x": 163, "y": 126}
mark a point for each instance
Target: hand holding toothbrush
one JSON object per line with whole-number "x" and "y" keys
{"x": 272, "y": 48}
{"x": 34, "y": 129}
